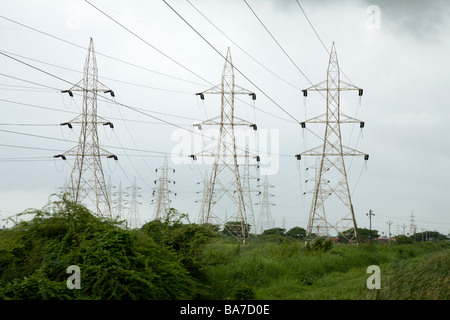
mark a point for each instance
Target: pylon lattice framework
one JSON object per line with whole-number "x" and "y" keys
{"x": 225, "y": 178}
{"x": 87, "y": 181}
{"x": 265, "y": 220}
{"x": 331, "y": 176}
{"x": 134, "y": 219}
{"x": 162, "y": 191}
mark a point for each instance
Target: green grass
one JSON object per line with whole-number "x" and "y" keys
{"x": 171, "y": 260}
{"x": 426, "y": 277}
{"x": 287, "y": 271}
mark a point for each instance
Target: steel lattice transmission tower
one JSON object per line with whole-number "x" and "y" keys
{"x": 265, "y": 220}
{"x": 248, "y": 190}
{"x": 225, "y": 179}
{"x": 87, "y": 181}
{"x": 162, "y": 191}
{"x": 134, "y": 219}
{"x": 331, "y": 176}
{"x": 119, "y": 203}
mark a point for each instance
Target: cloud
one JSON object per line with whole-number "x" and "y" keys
{"x": 424, "y": 20}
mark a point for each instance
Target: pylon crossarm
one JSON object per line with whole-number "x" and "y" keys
{"x": 248, "y": 155}
{"x": 323, "y": 119}
{"x": 324, "y": 86}
{"x": 346, "y": 151}
{"x": 214, "y": 90}
{"x": 219, "y": 90}
{"x": 102, "y": 88}
{"x": 217, "y": 122}
{"x": 76, "y": 87}
{"x": 240, "y": 90}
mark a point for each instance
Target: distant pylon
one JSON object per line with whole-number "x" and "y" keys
{"x": 225, "y": 179}
{"x": 203, "y": 193}
{"x": 265, "y": 220}
{"x": 162, "y": 191}
{"x": 118, "y": 204}
{"x": 412, "y": 225}
{"x": 331, "y": 176}
{"x": 248, "y": 190}
{"x": 87, "y": 181}
{"x": 134, "y": 219}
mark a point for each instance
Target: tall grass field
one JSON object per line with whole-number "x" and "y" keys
{"x": 274, "y": 270}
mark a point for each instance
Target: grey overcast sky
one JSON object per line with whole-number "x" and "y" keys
{"x": 398, "y": 54}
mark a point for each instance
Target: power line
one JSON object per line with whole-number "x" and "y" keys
{"x": 98, "y": 53}
{"x": 262, "y": 65}
{"x": 134, "y": 108}
{"x": 106, "y": 78}
{"x": 265, "y": 94}
{"x": 148, "y": 43}
{"x": 38, "y": 69}
{"x": 279, "y": 45}
{"x": 304, "y": 13}
{"x": 129, "y": 83}
{"x": 27, "y": 147}
{"x": 29, "y": 124}
{"x": 320, "y": 39}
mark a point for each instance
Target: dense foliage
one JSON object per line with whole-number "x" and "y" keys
{"x": 115, "y": 263}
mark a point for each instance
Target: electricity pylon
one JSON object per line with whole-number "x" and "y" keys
{"x": 162, "y": 191}
{"x": 225, "y": 179}
{"x": 412, "y": 225}
{"x": 119, "y": 203}
{"x": 87, "y": 181}
{"x": 203, "y": 193}
{"x": 248, "y": 190}
{"x": 331, "y": 176}
{"x": 265, "y": 220}
{"x": 134, "y": 219}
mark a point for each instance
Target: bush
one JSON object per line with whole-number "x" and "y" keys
{"x": 403, "y": 240}
{"x": 319, "y": 245}
{"x": 244, "y": 292}
{"x": 115, "y": 263}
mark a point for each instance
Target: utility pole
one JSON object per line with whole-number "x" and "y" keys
{"x": 370, "y": 214}
{"x": 389, "y": 232}
{"x": 404, "y": 227}
{"x": 162, "y": 191}
{"x": 225, "y": 180}
{"x": 87, "y": 181}
{"x": 331, "y": 178}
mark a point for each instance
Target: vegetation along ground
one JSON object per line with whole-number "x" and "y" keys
{"x": 176, "y": 259}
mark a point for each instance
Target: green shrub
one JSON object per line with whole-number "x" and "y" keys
{"x": 115, "y": 263}
{"x": 244, "y": 292}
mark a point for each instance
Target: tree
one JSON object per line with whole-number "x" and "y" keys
{"x": 362, "y": 232}
{"x": 279, "y": 231}
{"x": 234, "y": 228}
{"x": 429, "y": 236}
{"x": 185, "y": 239}
{"x": 402, "y": 239}
{"x": 297, "y": 233}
